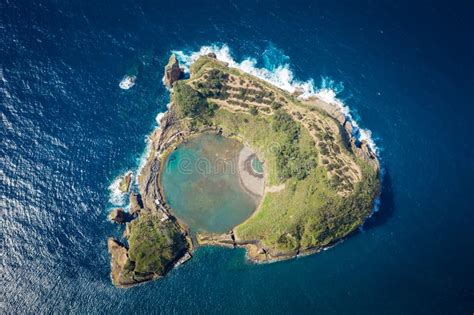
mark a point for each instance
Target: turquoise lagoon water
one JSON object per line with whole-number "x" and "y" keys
{"x": 201, "y": 184}
{"x": 257, "y": 165}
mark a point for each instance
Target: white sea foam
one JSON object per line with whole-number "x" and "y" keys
{"x": 143, "y": 158}
{"x": 127, "y": 82}
{"x": 116, "y": 196}
{"x": 159, "y": 117}
{"x": 282, "y": 76}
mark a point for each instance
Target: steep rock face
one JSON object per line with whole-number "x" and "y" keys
{"x": 135, "y": 204}
{"x": 348, "y": 128}
{"x": 124, "y": 185}
{"x": 119, "y": 258}
{"x": 172, "y": 71}
{"x": 118, "y": 215}
{"x": 362, "y": 149}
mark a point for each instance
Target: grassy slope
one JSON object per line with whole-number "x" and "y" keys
{"x": 153, "y": 245}
{"x": 307, "y": 213}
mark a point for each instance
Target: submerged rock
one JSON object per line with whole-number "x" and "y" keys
{"x": 172, "y": 71}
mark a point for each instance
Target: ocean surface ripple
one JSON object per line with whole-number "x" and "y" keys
{"x": 68, "y": 131}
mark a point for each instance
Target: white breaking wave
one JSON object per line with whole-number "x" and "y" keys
{"x": 329, "y": 96}
{"x": 159, "y": 117}
{"x": 143, "y": 158}
{"x": 116, "y": 196}
{"x": 281, "y": 76}
{"x": 127, "y": 82}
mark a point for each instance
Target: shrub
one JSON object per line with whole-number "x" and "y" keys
{"x": 253, "y": 110}
{"x": 275, "y": 105}
{"x": 292, "y": 162}
{"x": 214, "y": 84}
{"x": 190, "y": 103}
{"x": 284, "y": 123}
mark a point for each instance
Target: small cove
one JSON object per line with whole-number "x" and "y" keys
{"x": 200, "y": 181}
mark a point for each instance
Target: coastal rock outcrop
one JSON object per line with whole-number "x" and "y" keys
{"x": 361, "y": 149}
{"x": 119, "y": 216}
{"x": 124, "y": 185}
{"x": 226, "y": 240}
{"x": 119, "y": 258}
{"x": 348, "y": 127}
{"x": 135, "y": 204}
{"x": 173, "y": 72}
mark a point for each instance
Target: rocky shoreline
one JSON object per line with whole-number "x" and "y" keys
{"x": 255, "y": 251}
{"x": 150, "y": 198}
{"x": 149, "y": 202}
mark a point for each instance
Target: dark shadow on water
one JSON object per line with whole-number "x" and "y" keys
{"x": 387, "y": 206}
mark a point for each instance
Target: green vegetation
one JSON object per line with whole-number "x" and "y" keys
{"x": 309, "y": 212}
{"x": 253, "y": 111}
{"x": 189, "y": 101}
{"x": 213, "y": 84}
{"x": 283, "y": 122}
{"x": 307, "y": 205}
{"x": 275, "y": 105}
{"x": 291, "y": 161}
{"x": 289, "y": 219}
{"x": 153, "y": 245}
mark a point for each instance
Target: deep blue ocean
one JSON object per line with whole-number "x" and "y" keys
{"x": 405, "y": 68}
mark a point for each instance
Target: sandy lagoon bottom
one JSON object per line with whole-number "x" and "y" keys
{"x": 201, "y": 183}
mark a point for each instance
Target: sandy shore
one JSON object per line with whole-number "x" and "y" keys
{"x": 253, "y": 182}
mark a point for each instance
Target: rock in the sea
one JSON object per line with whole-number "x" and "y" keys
{"x": 136, "y": 204}
{"x": 124, "y": 185}
{"x": 118, "y": 215}
{"x": 172, "y": 71}
{"x": 212, "y": 55}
